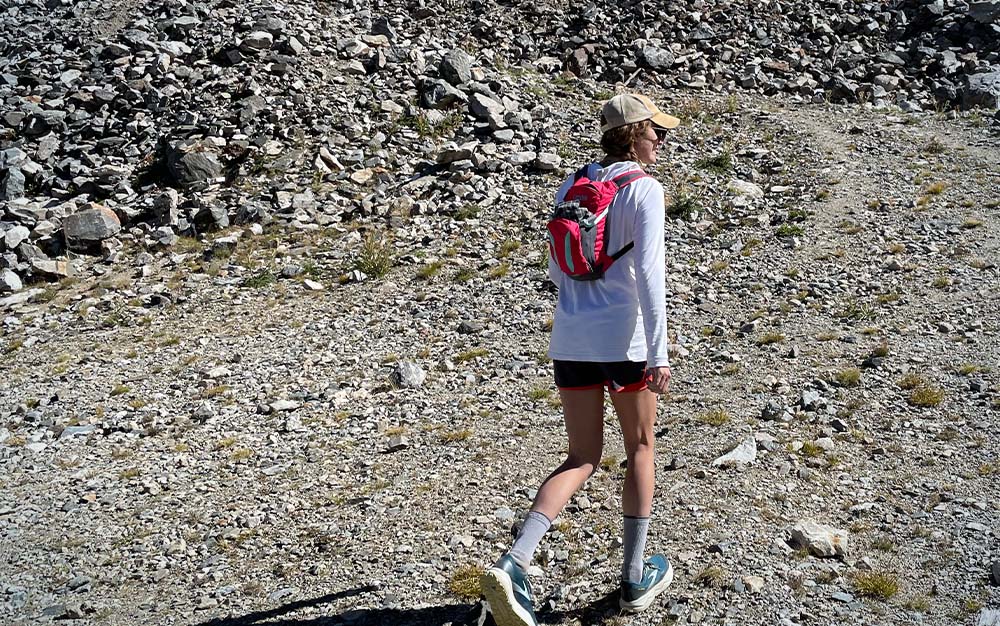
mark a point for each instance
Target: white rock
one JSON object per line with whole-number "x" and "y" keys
{"x": 743, "y": 454}
{"x": 14, "y": 236}
{"x": 9, "y": 281}
{"x": 819, "y": 539}
{"x": 284, "y": 405}
{"x": 988, "y": 617}
{"x": 739, "y": 187}
{"x": 754, "y": 583}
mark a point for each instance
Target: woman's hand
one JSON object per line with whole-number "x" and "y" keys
{"x": 658, "y": 379}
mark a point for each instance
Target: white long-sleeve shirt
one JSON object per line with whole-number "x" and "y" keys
{"x": 623, "y": 316}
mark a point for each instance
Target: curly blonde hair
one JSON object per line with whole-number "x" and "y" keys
{"x": 620, "y": 142}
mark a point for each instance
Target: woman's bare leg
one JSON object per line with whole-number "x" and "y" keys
{"x": 583, "y": 412}
{"x": 637, "y": 415}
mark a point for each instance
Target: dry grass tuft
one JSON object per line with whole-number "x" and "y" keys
{"x": 464, "y": 582}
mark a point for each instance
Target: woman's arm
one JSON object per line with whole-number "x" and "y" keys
{"x": 650, "y": 271}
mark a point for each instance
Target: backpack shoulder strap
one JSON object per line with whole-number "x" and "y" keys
{"x": 621, "y": 180}
{"x": 628, "y": 177}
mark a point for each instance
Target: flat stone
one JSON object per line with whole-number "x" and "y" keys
{"x": 72, "y": 431}
{"x": 258, "y": 40}
{"x": 50, "y": 269}
{"x": 13, "y": 237}
{"x": 284, "y": 405}
{"x": 547, "y": 162}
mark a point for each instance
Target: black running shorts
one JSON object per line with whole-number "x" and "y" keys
{"x": 618, "y": 377}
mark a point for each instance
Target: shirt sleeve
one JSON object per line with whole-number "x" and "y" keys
{"x": 650, "y": 271}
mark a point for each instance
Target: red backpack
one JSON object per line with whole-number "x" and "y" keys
{"x": 578, "y": 231}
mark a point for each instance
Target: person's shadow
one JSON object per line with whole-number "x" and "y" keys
{"x": 453, "y": 614}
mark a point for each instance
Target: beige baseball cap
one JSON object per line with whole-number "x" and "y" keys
{"x": 630, "y": 108}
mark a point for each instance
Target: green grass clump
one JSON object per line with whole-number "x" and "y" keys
{"x": 375, "y": 257}
{"x": 717, "y": 163}
{"x": 464, "y": 582}
{"x": 260, "y": 279}
{"x": 917, "y": 604}
{"x": 857, "y": 311}
{"x": 789, "y": 230}
{"x": 508, "y": 246}
{"x": 878, "y": 585}
{"x": 499, "y": 271}
{"x": 717, "y": 417}
{"x": 683, "y": 206}
{"x": 849, "y": 377}
{"x": 711, "y": 576}
{"x": 910, "y": 381}
{"x": 934, "y": 189}
{"x": 540, "y": 393}
{"x": 811, "y": 450}
{"x": 468, "y": 355}
{"x": 770, "y": 338}
{"x": 13, "y": 346}
{"x": 926, "y": 396}
{"x": 453, "y": 436}
{"x": 430, "y": 270}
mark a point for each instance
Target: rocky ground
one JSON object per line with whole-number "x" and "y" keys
{"x": 194, "y": 441}
{"x": 274, "y": 345}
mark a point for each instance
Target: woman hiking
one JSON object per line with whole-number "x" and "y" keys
{"x": 609, "y": 331}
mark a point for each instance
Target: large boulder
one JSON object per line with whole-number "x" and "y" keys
{"x": 193, "y": 163}
{"x": 12, "y": 185}
{"x": 456, "y": 67}
{"x": 656, "y": 58}
{"x": 13, "y": 237}
{"x": 9, "y": 281}
{"x": 987, "y": 12}
{"x": 983, "y": 90}
{"x": 86, "y": 229}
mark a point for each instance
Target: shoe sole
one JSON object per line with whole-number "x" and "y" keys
{"x": 643, "y": 603}
{"x": 499, "y": 592}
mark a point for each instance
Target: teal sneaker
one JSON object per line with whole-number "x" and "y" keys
{"x": 507, "y": 590}
{"x": 657, "y": 574}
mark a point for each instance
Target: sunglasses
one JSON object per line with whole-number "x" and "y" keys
{"x": 661, "y": 134}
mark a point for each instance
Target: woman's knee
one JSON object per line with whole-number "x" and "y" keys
{"x": 641, "y": 446}
{"x": 587, "y": 461}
